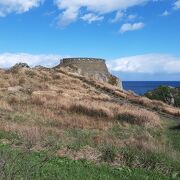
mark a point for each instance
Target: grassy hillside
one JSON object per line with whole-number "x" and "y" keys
{"x": 104, "y": 133}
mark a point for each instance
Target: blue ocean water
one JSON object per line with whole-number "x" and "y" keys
{"x": 141, "y": 87}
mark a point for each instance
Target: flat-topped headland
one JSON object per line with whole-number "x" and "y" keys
{"x": 91, "y": 67}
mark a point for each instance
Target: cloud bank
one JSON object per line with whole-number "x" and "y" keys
{"x": 17, "y": 6}
{"x": 176, "y": 5}
{"x": 8, "y": 59}
{"x": 148, "y": 63}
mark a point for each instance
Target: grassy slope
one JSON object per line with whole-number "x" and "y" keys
{"x": 53, "y": 112}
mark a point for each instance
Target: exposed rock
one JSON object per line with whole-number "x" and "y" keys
{"x": 21, "y": 65}
{"x": 18, "y": 66}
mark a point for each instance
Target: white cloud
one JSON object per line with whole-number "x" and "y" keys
{"x": 176, "y": 5}
{"x": 131, "y": 27}
{"x": 17, "y": 6}
{"x": 118, "y": 17}
{"x": 100, "y": 7}
{"x": 132, "y": 16}
{"x": 9, "y": 59}
{"x": 148, "y": 63}
{"x": 90, "y": 17}
{"x": 67, "y": 17}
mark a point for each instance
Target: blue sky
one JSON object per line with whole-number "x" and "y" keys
{"x": 138, "y": 38}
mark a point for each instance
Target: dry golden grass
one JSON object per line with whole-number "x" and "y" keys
{"x": 74, "y": 95}
{"x": 171, "y": 110}
{"x": 57, "y": 100}
{"x": 108, "y": 111}
{"x": 153, "y": 104}
{"x": 5, "y": 106}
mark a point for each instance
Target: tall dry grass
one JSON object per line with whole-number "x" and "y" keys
{"x": 99, "y": 110}
{"x": 54, "y": 92}
{"x": 5, "y": 105}
{"x": 152, "y": 104}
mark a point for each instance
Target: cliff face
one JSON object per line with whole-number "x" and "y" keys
{"x": 91, "y": 67}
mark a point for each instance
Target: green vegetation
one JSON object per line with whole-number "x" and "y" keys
{"x": 28, "y": 165}
{"x": 108, "y": 153}
{"x": 174, "y": 137}
{"x": 166, "y": 94}
{"x": 81, "y": 138}
{"x": 159, "y": 162}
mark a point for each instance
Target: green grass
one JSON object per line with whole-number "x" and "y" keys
{"x": 16, "y": 165}
{"x": 174, "y": 138}
{"x": 8, "y": 135}
{"x": 152, "y": 161}
{"x": 81, "y": 138}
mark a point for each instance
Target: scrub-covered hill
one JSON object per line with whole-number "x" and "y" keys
{"x": 169, "y": 95}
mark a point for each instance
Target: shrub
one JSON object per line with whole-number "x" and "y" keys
{"x": 177, "y": 101}
{"x": 162, "y": 93}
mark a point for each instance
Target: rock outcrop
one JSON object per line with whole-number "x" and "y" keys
{"x": 18, "y": 66}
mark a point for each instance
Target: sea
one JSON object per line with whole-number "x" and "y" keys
{"x": 141, "y": 87}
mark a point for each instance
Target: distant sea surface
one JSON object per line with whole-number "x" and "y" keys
{"x": 141, "y": 87}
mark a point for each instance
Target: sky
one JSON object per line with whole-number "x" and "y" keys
{"x": 140, "y": 39}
